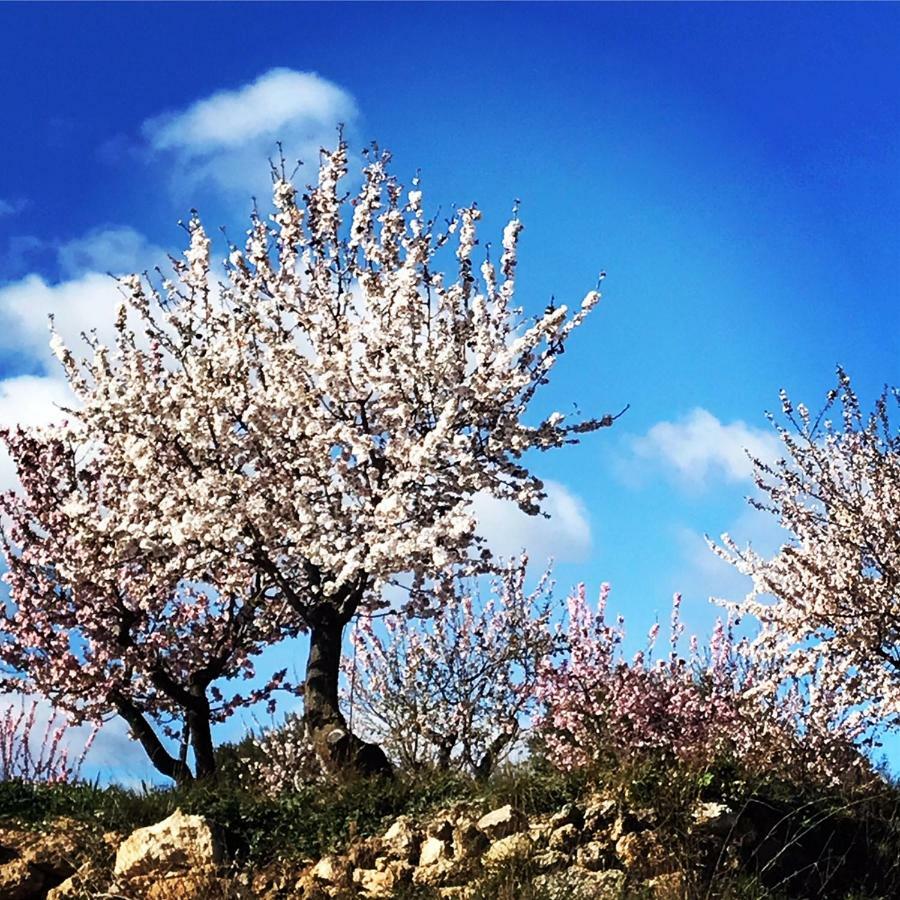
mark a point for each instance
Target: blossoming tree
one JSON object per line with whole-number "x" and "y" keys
{"x": 321, "y": 421}
{"x": 103, "y": 621}
{"x": 836, "y": 581}
{"x": 457, "y": 689}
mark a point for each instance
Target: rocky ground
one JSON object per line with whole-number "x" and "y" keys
{"x": 595, "y": 849}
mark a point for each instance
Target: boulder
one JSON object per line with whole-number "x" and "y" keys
{"x": 177, "y": 843}
{"x": 402, "y": 840}
{"x": 564, "y": 838}
{"x": 513, "y": 846}
{"x": 502, "y": 822}
{"x": 579, "y": 884}
{"x": 644, "y": 854}
{"x": 433, "y": 849}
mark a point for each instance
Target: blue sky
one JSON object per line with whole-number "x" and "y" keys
{"x": 734, "y": 168}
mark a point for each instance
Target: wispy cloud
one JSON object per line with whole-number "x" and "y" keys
{"x": 226, "y": 138}
{"x": 698, "y": 448}
{"x": 565, "y": 536}
{"x": 11, "y": 207}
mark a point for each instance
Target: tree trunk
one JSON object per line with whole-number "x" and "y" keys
{"x": 164, "y": 762}
{"x": 198, "y": 722}
{"x": 338, "y": 749}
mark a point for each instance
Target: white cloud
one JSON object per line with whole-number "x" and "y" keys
{"x": 28, "y": 400}
{"x": 119, "y": 249}
{"x": 699, "y": 447}
{"x": 227, "y": 138}
{"x": 565, "y": 536}
{"x": 85, "y": 301}
{"x": 113, "y": 756}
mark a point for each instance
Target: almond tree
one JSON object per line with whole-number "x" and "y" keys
{"x": 104, "y": 621}
{"x": 455, "y": 689}
{"x": 321, "y": 421}
{"x": 829, "y": 600}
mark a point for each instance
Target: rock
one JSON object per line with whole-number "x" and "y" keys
{"x": 672, "y": 886}
{"x": 383, "y": 883}
{"x": 441, "y": 828}
{"x": 570, "y": 814}
{"x": 549, "y": 860}
{"x": 502, "y": 822}
{"x": 595, "y": 855}
{"x": 432, "y": 850}
{"x": 203, "y": 883}
{"x": 564, "y": 838}
{"x": 578, "y": 884}
{"x": 468, "y": 840}
{"x": 644, "y": 854}
{"x": 445, "y": 873}
{"x": 716, "y": 818}
{"x": 179, "y": 842}
{"x": 599, "y": 813}
{"x": 19, "y": 881}
{"x": 402, "y": 840}
{"x": 89, "y": 880}
{"x": 362, "y": 854}
{"x": 510, "y": 847}
{"x": 331, "y": 870}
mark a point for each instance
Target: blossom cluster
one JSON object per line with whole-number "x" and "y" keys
{"x": 34, "y": 754}
{"x": 828, "y": 602}
{"x": 601, "y": 707}
{"x": 455, "y": 689}
{"x": 255, "y": 457}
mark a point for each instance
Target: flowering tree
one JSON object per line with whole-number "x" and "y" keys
{"x": 30, "y": 753}
{"x": 836, "y": 583}
{"x": 600, "y": 707}
{"x": 455, "y": 689}
{"x": 102, "y": 622}
{"x": 321, "y": 421}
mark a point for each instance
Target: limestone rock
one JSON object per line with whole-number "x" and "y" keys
{"x": 579, "y": 884}
{"x": 402, "y": 840}
{"x": 377, "y": 883}
{"x": 506, "y": 848}
{"x": 179, "y": 842}
{"x": 203, "y": 883}
{"x": 644, "y": 854}
{"x": 468, "y": 840}
{"x": 433, "y": 849}
{"x": 595, "y": 855}
{"x": 564, "y": 838}
{"x": 502, "y": 822}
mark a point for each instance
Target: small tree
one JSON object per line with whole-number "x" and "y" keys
{"x": 836, "y": 582}
{"x": 321, "y": 422}
{"x": 102, "y": 621}
{"x": 457, "y": 688}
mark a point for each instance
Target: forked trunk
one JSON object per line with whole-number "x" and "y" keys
{"x": 338, "y": 749}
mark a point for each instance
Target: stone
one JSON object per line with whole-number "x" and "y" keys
{"x": 445, "y": 873}
{"x": 468, "y": 840}
{"x": 564, "y": 838}
{"x": 595, "y": 855}
{"x": 599, "y": 813}
{"x": 179, "y": 842}
{"x": 644, "y": 854}
{"x": 433, "y": 849}
{"x": 579, "y": 884}
{"x": 19, "y": 881}
{"x": 441, "y": 828}
{"x": 671, "y": 886}
{"x": 203, "y": 883}
{"x": 549, "y": 860}
{"x": 502, "y": 822}
{"x": 331, "y": 870}
{"x": 570, "y": 814}
{"x": 512, "y": 846}
{"x": 402, "y": 840}
{"x": 89, "y": 880}
{"x": 384, "y": 883}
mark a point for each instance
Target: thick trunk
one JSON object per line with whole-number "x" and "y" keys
{"x": 338, "y": 749}
{"x": 164, "y": 762}
{"x": 198, "y": 722}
